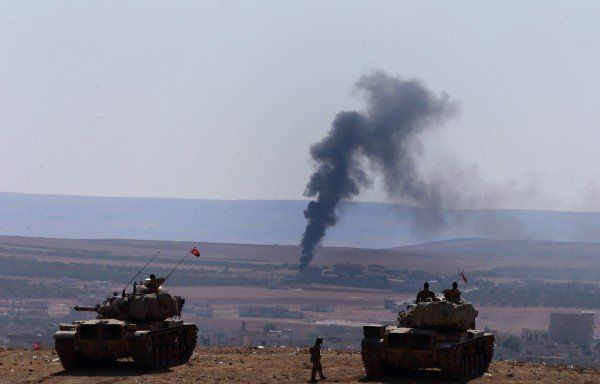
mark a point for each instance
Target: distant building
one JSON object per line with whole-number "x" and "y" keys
{"x": 347, "y": 269}
{"x": 200, "y": 309}
{"x": 576, "y": 328}
{"x": 16, "y": 305}
{"x": 390, "y": 304}
{"x": 316, "y": 308}
{"x": 269, "y": 311}
{"x": 395, "y": 305}
{"x": 65, "y": 282}
{"x": 534, "y": 335}
{"x": 310, "y": 273}
{"x": 97, "y": 286}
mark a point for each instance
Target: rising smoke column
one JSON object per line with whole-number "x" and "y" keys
{"x": 381, "y": 140}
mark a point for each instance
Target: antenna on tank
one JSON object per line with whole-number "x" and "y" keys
{"x": 194, "y": 251}
{"x": 140, "y": 271}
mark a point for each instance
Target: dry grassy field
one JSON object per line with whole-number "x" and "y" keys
{"x": 278, "y": 254}
{"x": 350, "y": 306}
{"x": 359, "y": 305}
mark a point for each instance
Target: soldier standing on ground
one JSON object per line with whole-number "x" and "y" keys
{"x": 425, "y": 294}
{"x": 315, "y": 359}
{"x": 452, "y": 295}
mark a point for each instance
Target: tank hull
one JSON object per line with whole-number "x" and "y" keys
{"x": 150, "y": 344}
{"x": 459, "y": 355}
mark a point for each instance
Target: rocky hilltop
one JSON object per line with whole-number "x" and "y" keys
{"x": 261, "y": 365}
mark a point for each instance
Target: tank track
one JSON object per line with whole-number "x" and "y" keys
{"x": 165, "y": 348}
{"x": 468, "y": 360}
{"x": 69, "y": 358}
{"x": 371, "y": 357}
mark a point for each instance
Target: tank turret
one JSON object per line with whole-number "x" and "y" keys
{"x": 149, "y": 301}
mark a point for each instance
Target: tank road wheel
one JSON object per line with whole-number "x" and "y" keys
{"x": 182, "y": 350}
{"x": 472, "y": 366}
{"x": 176, "y": 356}
{"x": 480, "y": 364}
{"x": 143, "y": 360}
{"x": 489, "y": 353}
{"x": 463, "y": 367}
{"x": 371, "y": 356}
{"x": 450, "y": 365}
{"x": 143, "y": 355}
{"x": 171, "y": 355}
{"x": 69, "y": 358}
{"x": 462, "y": 364}
{"x": 192, "y": 340}
{"x": 190, "y": 345}
{"x": 156, "y": 357}
{"x": 163, "y": 356}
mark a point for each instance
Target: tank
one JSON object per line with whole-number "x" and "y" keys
{"x": 423, "y": 340}
{"x": 137, "y": 325}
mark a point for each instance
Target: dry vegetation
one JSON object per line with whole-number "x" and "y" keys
{"x": 271, "y": 365}
{"x": 349, "y": 304}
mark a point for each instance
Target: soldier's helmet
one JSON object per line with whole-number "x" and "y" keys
{"x": 319, "y": 340}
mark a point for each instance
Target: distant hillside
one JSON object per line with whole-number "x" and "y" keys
{"x": 368, "y": 225}
{"x": 439, "y": 256}
{"x": 512, "y": 252}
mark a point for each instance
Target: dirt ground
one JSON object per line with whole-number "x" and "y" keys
{"x": 268, "y": 365}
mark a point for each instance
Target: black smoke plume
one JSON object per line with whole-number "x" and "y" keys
{"x": 382, "y": 139}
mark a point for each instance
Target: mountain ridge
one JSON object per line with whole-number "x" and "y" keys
{"x": 361, "y": 224}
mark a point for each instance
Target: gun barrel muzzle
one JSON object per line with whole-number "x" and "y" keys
{"x": 84, "y": 308}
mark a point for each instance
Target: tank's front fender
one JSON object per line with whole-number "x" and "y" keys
{"x": 137, "y": 335}
{"x": 372, "y": 343}
{"x": 64, "y": 335}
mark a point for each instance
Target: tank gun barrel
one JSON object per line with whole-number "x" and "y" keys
{"x": 84, "y": 308}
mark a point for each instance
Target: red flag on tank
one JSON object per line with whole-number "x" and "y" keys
{"x": 463, "y": 277}
{"x": 195, "y": 252}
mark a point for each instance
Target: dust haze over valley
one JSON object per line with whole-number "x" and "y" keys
{"x": 364, "y": 225}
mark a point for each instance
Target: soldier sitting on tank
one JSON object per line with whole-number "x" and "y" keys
{"x": 453, "y": 295}
{"x": 154, "y": 283}
{"x": 425, "y": 295}
{"x": 113, "y": 297}
{"x": 151, "y": 285}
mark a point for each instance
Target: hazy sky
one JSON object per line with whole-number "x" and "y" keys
{"x": 222, "y": 99}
